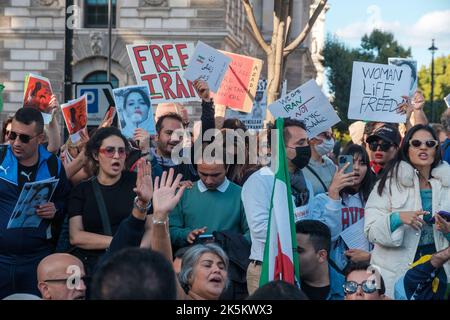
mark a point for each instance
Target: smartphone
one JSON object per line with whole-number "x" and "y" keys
{"x": 205, "y": 238}
{"x": 443, "y": 214}
{"x": 343, "y": 159}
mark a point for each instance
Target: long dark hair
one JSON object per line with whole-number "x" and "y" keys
{"x": 391, "y": 169}
{"x": 369, "y": 178}
{"x": 141, "y": 92}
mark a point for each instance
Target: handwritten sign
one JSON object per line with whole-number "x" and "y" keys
{"x": 239, "y": 85}
{"x": 377, "y": 91}
{"x": 37, "y": 94}
{"x": 134, "y": 109}
{"x": 75, "y": 116}
{"x": 309, "y": 104}
{"x": 207, "y": 64}
{"x": 410, "y": 64}
{"x": 160, "y": 66}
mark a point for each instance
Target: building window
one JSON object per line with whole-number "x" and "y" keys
{"x": 96, "y": 13}
{"x": 101, "y": 76}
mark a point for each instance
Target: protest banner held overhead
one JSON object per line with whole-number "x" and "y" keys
{"x": 376, "y": 92}
{"x": 37, "y": 94}
{"x": 160, "y": 66}
{"x": 75, "y": 116}
{"x": 255, "y": 119}
{"x": 134, "y": 109}
{"x": 412, "y": 65}
{"x": 309, "y": 104}
{"x": 239, "y": 85}
{"x": 207, "y": 64}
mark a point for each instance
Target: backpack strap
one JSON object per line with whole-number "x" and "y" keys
{"x": 3, "y": 149}
{"x": 53, "y": 165}
{"x": 317, "y": 176}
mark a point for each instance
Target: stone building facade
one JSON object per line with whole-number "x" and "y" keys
{"x": 32, "y": 38}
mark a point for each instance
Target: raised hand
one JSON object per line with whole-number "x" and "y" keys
{"x": 418, "y": 100}
{"x": 144, "y": 188}
{"x": 165, "y": 195}
{"x": 202, "y": 90}
{"x": 143, "y": 138}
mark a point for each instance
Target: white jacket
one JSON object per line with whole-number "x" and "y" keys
{"x": 394, "y": 252}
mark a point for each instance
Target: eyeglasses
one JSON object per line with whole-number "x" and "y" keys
{"x": 417, "y": 143}
{"x": 385, "y": 146}
{"x": 25, "y": 138}
{"x": 367, "y": 286}
{"x": 110, "y": 152}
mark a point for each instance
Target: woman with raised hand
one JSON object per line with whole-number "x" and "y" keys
{"x": 400, "y": 210}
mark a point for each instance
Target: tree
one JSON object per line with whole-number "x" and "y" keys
{"x": 278, "y": 50}
{"x": 338, "y": 59}
{"x": 441, "y": 85}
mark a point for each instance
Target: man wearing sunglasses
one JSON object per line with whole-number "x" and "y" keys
{"x": 363, "y": 282}
{"x": 383, "y": 144}
{"x": 26, "y": 160}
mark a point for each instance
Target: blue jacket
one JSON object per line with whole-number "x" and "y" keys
{"x": 336, "y": 284}
{"x": 22, "y": 244}
{"x": 446, "y": 149}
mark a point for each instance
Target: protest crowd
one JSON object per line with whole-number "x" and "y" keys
{"x": 145, "y": 207}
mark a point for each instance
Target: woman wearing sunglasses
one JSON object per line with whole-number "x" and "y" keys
{"x": 91, "y": 227}
{"x": 398, "y": 218}
{"x": 362, "y": 282}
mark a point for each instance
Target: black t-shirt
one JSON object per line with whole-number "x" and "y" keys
{"x": 316, "y": 293}
{"x": 26, "y": 174}
{"x": 118, "y": 200}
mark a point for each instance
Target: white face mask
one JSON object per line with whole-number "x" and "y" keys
{"x": 325, "y": 147}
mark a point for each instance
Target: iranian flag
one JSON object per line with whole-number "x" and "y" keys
{"x": 280, "y": 252}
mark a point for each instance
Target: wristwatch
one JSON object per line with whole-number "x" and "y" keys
{"x": 141, "y": 209}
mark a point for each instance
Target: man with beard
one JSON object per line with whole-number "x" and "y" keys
{"x": 257, "y": 191}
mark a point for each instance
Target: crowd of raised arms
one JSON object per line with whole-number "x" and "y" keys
{"x": 128, "y": 221}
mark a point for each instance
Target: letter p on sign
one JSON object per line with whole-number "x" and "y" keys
{"x": 92, "y": 99}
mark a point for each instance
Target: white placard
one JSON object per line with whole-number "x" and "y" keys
{"x": 377, "y": 91}
{"x": 207, "y": 64}
{"x": 447, "y": 100}
{"x": 309, "y": 104}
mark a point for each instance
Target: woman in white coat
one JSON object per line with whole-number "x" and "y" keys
{"x": 414, "y": 187}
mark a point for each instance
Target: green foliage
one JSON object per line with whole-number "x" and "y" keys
{"x": 441, "y": 86}
{"x": 338, "y": 59}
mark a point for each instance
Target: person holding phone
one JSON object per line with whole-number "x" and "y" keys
{"x": 413, "y": 188}
{"x": 343, "y": 205}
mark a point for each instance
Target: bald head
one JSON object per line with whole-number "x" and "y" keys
{"x": 60, "y": 277}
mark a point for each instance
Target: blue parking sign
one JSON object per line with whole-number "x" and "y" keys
{"x": 92, "y": 99}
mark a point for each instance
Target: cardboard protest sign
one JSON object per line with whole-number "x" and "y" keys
{"x": 447, "y": 100}
{"x": 207, "y": 64}
{"x": 254, "y": 119}
{"x": 75, "y": 116}
{"x": 412, "y": 65}
{"x": 32, "y": 194}
{"x": 239, "y": 85}
{"x": 134, "y": 109}
{"x": 376, "y": 92}
{"x": 160, "y": 66}
{"x": 309, "y": 104}
{"x": 37, "y": 94}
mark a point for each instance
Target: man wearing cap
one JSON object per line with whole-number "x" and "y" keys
{"x": 383, "y": 145}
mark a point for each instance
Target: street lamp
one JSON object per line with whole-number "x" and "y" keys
{"x": 432, "y": 49}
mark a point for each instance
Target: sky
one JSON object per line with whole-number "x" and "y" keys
{"x": 413, "y": 22}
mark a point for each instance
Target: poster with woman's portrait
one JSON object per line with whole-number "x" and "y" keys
{"x": 37, "y": 94}
{"x": 134, "y": 109}
{"x": 412, "y": 65}
{"x": 75, "y": 116}
{"x": 33, "y": 194}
